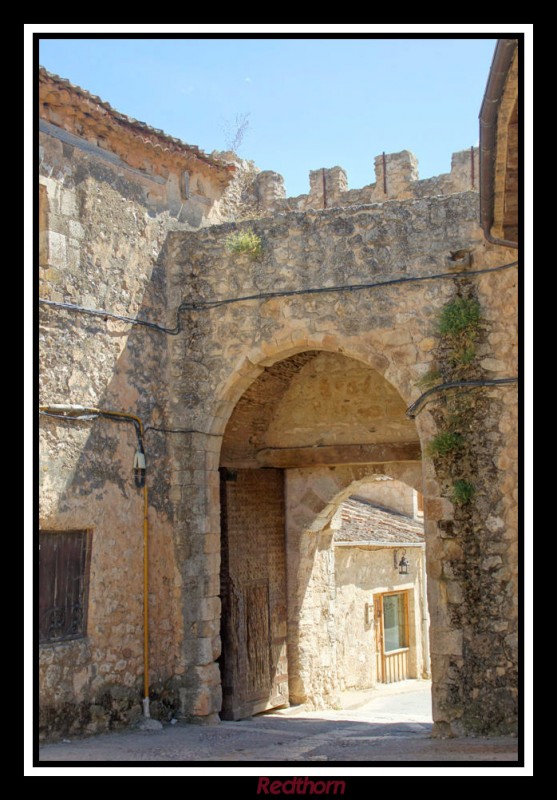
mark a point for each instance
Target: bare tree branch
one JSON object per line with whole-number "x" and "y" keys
{"x": 235, "y": 131}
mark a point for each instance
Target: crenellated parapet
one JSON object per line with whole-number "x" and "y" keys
{"x": 396, "y": 178}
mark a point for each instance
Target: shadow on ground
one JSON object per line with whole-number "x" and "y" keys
{"x": 275, "y": 739}
{"x": 381, "y": 725}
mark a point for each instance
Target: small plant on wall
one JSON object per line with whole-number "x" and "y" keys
{"x": 246, "y": 241}
{"x": 459, "y": 327}
{"x": 445, "y": 442}
{"x": 462, "y": 492}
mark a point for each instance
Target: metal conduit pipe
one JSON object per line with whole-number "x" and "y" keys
{"x": 76, "y": 412}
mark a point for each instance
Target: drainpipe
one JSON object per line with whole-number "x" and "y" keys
{"x": 502, "y": 60}
{"x": 80, "y": 412}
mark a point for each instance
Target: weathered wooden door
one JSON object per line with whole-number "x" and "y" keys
{"x": 253, "y": 592}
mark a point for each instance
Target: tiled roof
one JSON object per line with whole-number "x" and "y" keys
{"x": 366, "y": 522}
{"x": 136, "y": 125}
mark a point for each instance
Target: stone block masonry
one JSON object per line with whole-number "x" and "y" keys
{"x": 109, "y": 191}
{"x": 392, "y": 330}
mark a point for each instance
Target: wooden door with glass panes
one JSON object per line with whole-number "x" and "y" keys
{"x": 391, "y": 636}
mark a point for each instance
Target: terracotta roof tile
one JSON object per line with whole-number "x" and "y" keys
{"x": 178, "y": 144}
{"x": 363, "y": 521}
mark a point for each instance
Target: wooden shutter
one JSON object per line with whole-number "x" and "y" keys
{"x": 63, "y": 584}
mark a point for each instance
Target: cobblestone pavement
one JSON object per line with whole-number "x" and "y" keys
{"x": 391, "y": 725}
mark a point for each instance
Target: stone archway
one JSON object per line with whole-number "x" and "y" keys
{"x": 312, "y": 423}
{"x": 368, "y": 282}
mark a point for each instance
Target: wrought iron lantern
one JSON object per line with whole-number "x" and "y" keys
{"x": 401, "y": 565}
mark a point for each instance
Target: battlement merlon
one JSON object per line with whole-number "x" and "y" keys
{"x": 396, "y": 178}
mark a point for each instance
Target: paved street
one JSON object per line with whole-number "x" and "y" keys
{"x": 391, "y": 725}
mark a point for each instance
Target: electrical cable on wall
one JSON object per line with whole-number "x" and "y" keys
{"x": 413, "y": 410}
{"x": 178, "y": 430}
{"x": 64, "y": 412}
{"x": 201, "y": 305}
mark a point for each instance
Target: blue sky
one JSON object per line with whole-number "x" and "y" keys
{"x": 312, "y": 102}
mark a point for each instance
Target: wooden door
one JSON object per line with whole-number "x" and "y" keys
{"x": 254, "y": 664}
{"x": 392, "y": 643}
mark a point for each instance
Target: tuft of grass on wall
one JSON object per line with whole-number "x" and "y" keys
{"x": 458, "y": 325}
{"x": 463, "y": 491}
{"x": 460, "y": 316}
{"x": 444, "y": 443}
{"x": 244, "y": 242}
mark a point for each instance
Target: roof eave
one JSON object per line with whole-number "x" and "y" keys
{"x": 140, "y": 129}
{"x": 502, "y": 60}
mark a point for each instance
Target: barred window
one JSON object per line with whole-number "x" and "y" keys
{"x": 64, "y": 558}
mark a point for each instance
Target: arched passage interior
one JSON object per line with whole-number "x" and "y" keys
{"x": 300, "y": 435}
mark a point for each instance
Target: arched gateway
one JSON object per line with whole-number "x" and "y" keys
{"x": 282, "y": 382}
{"x": 297, "y": 438}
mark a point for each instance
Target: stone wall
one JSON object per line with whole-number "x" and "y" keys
{"x": 103, "y": 222}
{"x": 393, "y": 331}
{"x": 172, "y": 175}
